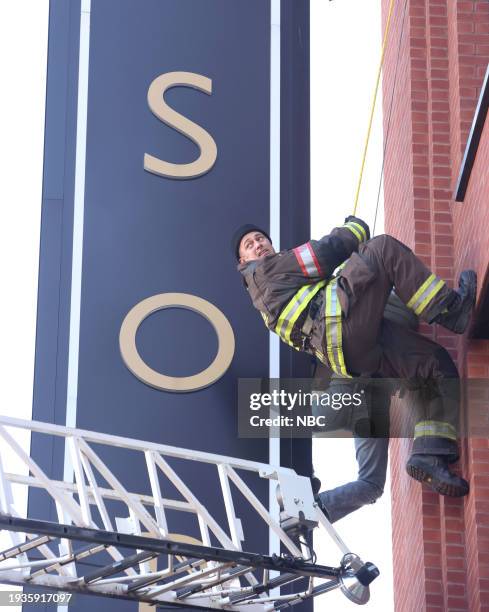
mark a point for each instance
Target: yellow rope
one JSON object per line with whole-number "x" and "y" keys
{"x": 384, "y": 44}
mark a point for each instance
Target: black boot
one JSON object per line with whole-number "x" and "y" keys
{"x": 458, "y": 312}
{"x": 322, "y": 507}
{"x": 316, "y": 485}
{"x": 433, "y": 470}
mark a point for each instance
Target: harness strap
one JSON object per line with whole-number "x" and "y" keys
{"x": 333, "y": 330}
{"x": 292, "y": 311}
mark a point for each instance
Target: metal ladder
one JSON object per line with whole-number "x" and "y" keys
{"x": 138, "y": 557}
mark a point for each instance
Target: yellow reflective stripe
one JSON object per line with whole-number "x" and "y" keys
{"x": 426, "y": 434}
{"x": 341, "y": 357}
{"x": 292, "y": 319}
{"x": 289, "y": 315}
{"x": 301, "y": 308}
{"x": 436, "y": 424}
{"x": 425, "y": 294}
{"x": 339, "y": 268}
{"x": 430, "y": 296}
{"x": 415, "y": 297}
{"x": 283, "y": 315}
{"x": 333, "y": 324}
{"x": 439, "y": 429}
{"x": 360, "y": 229}
{"x": 264, "y": 317}
{"x": 329, "y": 339}
{"x": 353, "y": 231}
{"x": 357, "y": 230}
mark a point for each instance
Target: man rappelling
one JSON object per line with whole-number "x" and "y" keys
{"x": 338, "y": 318}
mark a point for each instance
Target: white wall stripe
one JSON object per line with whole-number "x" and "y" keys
{"x": 79, "y": 204}
{"x": 274, "y": 340}
{"x": 78, "y": 215}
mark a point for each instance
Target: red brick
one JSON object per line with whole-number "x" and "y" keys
{"x": 481, "y": 7}
{"x": 482, "y": 49}
{"x": 456, "y": 590}
{"x": 482, "y": 27}
{"x": 439, "y": 63}
{"x": 472, "y": 38}
{"x": 436, "y": 600}
{"x": 440, "y": 105}
{"x": 417, "y": 39}
{"x": 473, "y": 60}
{"x": 438, "y": 32}
{"x": 434, "y": 587}
{"x": 456, "y": 577}
{"x": 455, "y": 562}
{"x": 454, "y": 525}
{"x": 441, "y": 52}
{"x": 440, "y": 9}
{"x": 455, "y": 551}
{"x": 465, "y": 49}
{"x": 434, "y": 573}
{"x": 441, "y": 149}
{"x": 478, "y": 443}
{"x": 465, "y": 7}
{"x": 456, "y": 604}
{"x": 466, "y": 27}
{"x": 481, "y": 455}
{"x": 432, "y": 548}
{"x": 454, "y": 538}
{"x": 437, "y": 21}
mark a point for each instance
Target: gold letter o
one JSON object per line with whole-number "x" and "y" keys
{"x": 132, "y": 359}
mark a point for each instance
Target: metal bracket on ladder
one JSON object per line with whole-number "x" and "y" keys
{"x": 162, "y": 567}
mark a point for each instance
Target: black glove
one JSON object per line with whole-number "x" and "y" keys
{"x": 360, "y": 222}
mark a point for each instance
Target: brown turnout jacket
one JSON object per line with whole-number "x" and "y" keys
{"x": 273, "y": 281}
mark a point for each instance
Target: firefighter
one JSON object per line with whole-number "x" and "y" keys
{"x": 338, "y": 318}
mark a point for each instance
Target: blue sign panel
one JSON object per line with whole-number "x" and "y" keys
{"x": 146, "y": 234}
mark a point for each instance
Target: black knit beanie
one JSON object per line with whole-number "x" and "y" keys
{"x": 242, "y": 231}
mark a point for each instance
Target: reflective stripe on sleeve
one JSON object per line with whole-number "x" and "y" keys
{"x": 307, "y": 260}
{"x": 425, "y": 294}
{"x": 293, "y": 310}
{"x": 357, "y": 230}
{"x": 440, "y": 429}
{"x": 333, "y": 331}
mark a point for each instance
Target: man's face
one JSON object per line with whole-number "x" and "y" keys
{"x": 254, "y": 245}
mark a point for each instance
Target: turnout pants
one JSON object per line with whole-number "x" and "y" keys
{"x": 373, "y": 346}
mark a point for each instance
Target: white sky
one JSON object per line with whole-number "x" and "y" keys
{"x": 345, "y": 50}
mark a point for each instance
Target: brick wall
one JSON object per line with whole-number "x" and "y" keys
{"x": 440, "y": 545}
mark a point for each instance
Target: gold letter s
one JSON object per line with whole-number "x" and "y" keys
{"x": 207, "y": 145}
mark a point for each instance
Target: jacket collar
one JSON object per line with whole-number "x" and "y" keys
{"x": 248, "y": 267}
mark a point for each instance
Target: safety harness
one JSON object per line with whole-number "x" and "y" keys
{"x": 292, "y": 311}
{"x": 333, "y": 332}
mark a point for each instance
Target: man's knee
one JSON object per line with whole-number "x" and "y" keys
{"x": 373, "y": 490}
